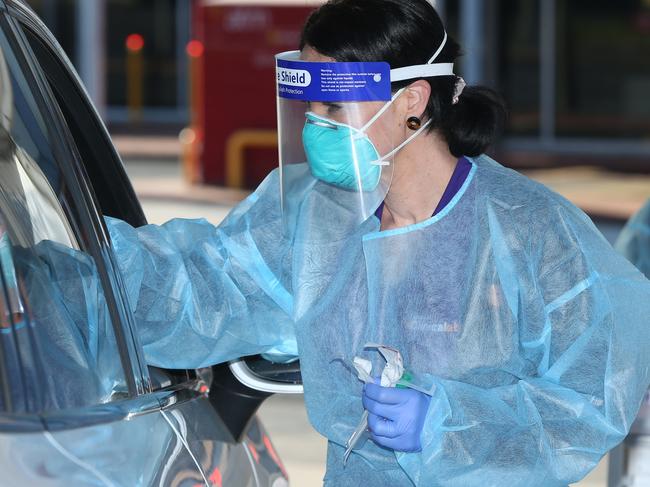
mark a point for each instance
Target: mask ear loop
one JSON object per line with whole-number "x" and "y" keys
{"x": 383, "y": 162}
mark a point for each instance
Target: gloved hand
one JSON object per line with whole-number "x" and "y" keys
{"x": 396, "y": 416}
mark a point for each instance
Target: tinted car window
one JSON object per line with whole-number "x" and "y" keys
{"x": 100, "y": 161}
{"x": 98, "y": 156}
{"x": 58, "y": 345}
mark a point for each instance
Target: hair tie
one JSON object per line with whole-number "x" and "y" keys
{"x": 458, "y": 89}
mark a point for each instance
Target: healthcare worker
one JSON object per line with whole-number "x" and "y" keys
{"x": 522, "y": 335}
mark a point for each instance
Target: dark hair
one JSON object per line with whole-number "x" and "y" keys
{"x": 404, "y": 33}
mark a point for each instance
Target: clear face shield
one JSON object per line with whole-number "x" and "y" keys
{"x": 338, "y": 138}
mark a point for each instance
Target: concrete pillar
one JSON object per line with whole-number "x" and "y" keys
{"x": 91, "y": 51}
{"x": 183, "y": 34}
{"x": 548, "y": 70}
{"x": 473, "y": 39}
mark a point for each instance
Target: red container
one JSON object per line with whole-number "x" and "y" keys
{"x": 234, "y": 100}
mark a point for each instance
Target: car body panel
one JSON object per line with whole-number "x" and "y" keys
{"x": 139, "y": 451}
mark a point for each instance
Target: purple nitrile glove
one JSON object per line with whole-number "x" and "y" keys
{"x": 396, "y": 416}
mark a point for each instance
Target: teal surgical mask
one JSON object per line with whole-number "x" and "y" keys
{"x": 340, "y": 154}
{"x": 344, "y": 156}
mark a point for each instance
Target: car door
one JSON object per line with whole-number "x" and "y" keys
{"x": 225, "y": 458}
{"x": 75, "y": 406}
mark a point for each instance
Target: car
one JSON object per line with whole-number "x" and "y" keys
{"x": 78, "y": 403}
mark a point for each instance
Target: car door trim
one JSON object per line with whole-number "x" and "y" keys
{"x": 246, "y": 376}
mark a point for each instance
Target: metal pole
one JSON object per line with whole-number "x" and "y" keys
{"x": 91, "y": 51}
{"x": 548, "y": 71}
{"x": 134, "y": 76}
{"x": 472, "y": 30}
{"x": 183, "y": 34}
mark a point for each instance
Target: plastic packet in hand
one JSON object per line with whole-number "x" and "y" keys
{"x": 390, "y": 376}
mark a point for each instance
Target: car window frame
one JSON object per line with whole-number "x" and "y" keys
{"x": 65, "y": 153}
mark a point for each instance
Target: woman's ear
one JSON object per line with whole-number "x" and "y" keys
{"x": 416, "y": 98}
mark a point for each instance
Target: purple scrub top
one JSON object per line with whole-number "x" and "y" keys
{"x": 463, "y": 167}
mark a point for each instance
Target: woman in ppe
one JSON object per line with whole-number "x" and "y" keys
{"x": 517, "y": 338}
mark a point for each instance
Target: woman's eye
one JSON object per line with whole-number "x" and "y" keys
{"x": 331, "y": 109}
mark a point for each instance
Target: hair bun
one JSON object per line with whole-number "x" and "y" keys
{"x": 474, "y": 122}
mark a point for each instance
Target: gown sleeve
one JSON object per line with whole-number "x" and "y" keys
{"x": 592, "y": 369}
{"x": 634, "y": 240}
{"x": 202, "y": 294}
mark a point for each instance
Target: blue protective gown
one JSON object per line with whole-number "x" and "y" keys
{"x": 532, "y": 329}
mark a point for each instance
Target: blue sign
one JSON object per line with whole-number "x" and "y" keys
{"x": 333, "y": 82}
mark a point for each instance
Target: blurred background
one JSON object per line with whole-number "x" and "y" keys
{"x": 575, "y": 73}
{"x": 187, "y": 90}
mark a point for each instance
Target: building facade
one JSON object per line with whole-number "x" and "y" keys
{"x": 575, "y": 73}
{"x": 96, "y": 35}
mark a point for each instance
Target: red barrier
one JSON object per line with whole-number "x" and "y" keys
{"x": 233, "y": 86}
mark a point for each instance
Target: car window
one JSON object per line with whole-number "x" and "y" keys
{"x": 98, "y": 156}
{"x": 57, "y": 340}
{"x": 100, "y": 162}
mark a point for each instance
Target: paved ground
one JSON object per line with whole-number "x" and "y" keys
{"x": 596, "y": 190}
{"x": 164, "y": 196}
{"x": 302, "y": 449}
